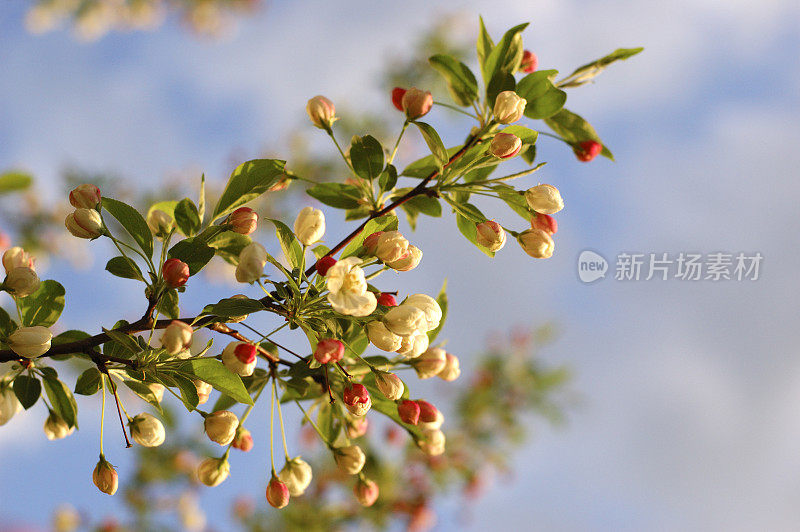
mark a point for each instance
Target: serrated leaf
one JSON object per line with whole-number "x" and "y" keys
{"x": 434, "y": 142}
{"x": 336, "y": 195}
{"x": 217, "y": 375}
{"x": 461, "y": 82}
{"x": 44, "y": 306}
{"x": 366, "y": 156}
{"x": 27, "y": 389}
{"x": 124, "y": 267}
{"x": 132, "y": 222}
{"x": 89, "y": 382}
{"x": 61, "y": 400}
{"x": 187, "y": 217}
{"x": 248, "y": 181}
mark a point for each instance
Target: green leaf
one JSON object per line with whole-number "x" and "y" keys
{"x": 467, "y": 217}
{"x": 442, "y": 300}
{"x": 44, "y": 306}
{"x": 14, "y": 181}
{"x": 89, "y": 382}
{"x": 526, "y": 135}
{"x": 289, "y": 245}
{"x": 7, "y": 325}
{"x": 124, "y": 267}
{"x": 366, "y": 155}
{"x": 143, "y": 391}
{"x": 187, "y": 388}
{"x": 424, "y": 204}
{"x": 434, "y": 143}
{"x": 501, "y": 81}
{"x": 388, "y": 178}
{"x": 506, "y": 55}
{"x": 217, "y": 375}
{"x": 132, "y": 222}
{"x": 336, "y": 195}
{"x": 484, "y": 45}
{"x": 193, "y": 251}
{"x": 424, "y": 167}
{"x": 62, "y": 400}
{"x": 461, "y": 82}
{"x": 229, "y": 245}
{"x": 187, "y": 217}
{"x": 589, "y": 71}
{"x": 169, "y": 304}
{"x": 387, "y": 222}
{"x": 543, "y": 98}
{"x": 27, "y": 389}
{"x": 68, "y": 337}
{"x": 515, "y": 200}
{"x": 167, "y": 207}
{"x": 234, "y": 307}
{"x": 574, "y": 129}
{"x": 248, "y": 181}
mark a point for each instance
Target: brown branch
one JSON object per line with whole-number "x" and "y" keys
{"x": 416, "y": 191}
{"x": 224, "y": 329}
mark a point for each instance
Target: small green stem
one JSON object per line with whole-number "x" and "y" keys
{"x": 316, "y": 428}
{"x": 280, "y": 415}
{"x": 463, "y": 112}
{"x": 344, "y": 158}
{"x": 271, "y": 430}
{"x": 102, "y": 411}
{"x": 397, "y": 143}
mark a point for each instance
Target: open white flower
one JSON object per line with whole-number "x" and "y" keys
{"x": 348, "y": 289}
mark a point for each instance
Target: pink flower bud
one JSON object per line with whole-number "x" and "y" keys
{"x": 452, "y": 368}
{"x": 430, "y": 363}
{"x": 397, "y": 97}
{"x": 357, "y": 400}
{"x": 366, "y": 492}
{"x": 387, "y": 300}
{"x": 545, "y": 222}
{"x": 427, "y": 412}
{"x": 277, "y": 493}
{"x": 16, "y": 257}
{"x": 105, "y": 477}
{"x": 416, "y": 103}
{"x": 490, "y": 235}
{"x": 408, "y": 411}
{"x": 175, "y": 272}
{"x": 371, "y": 242}
{"x": 536, "y": 243}
{"x": 357, "y": 427}
{"x": 390, "y": 385}
{"x": 324, "y": 264}
{"x": 529, "y": 62}
{"x": 243, "y": 220}
{"x": 203, "y": 391}
{"x": 84, "y": 197}
{"x": 505, "y": 145}
{"x": 243, "y": 440}
{"x": 409, "y": 261}
{"x": 321, "y": 112}
{"x": 221, "y": 426}
{"x": 84, "y": 223}
{"x": 329, "y": 350}
{"x": 587, "y": 150}
{"x": 4, "y": 240}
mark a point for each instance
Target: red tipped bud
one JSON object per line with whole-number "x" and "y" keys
{"x": 397, "y": 97}
{"x": 544, "y": 222}
{"x": 84, "y": 197}
{"x": 408, "y": 411}
{"x": 105, "y": 477}
{"x": 587, "y": 150}
{"x": 490, "y": 235}
{"x": 427, "y": 412}
{"x": 371, "y": 242}
{"x": 357, "y": 400}
{"x": 329, "y": 350}
{"x": 175, "y": 272}
{"x": 366, "y": 492}
{"x": 243, "y": 220}
{"x": 277, "y": 493}
{"x": 417, "y": 103}
{"x": 529, "y": 62}
{"x": 324, "y": 264}
{"x": 505, "y": 145}
{"x": 246, "y": 353}
{"x": 387, "y": 300}
{"x": 321, "y": 112}
{"x": 243, "y": 440}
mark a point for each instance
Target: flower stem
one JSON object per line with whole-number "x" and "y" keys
{"x": 397, "y": 144}
{"x": 280, "y": 416}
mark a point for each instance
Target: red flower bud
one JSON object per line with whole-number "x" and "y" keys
{"x": 329, "y": 350}
{"x": 427, "y": 412}
{"x": 366, "y": 492}
{"x": 587, "y": 150}
{"x": 277, "y": 493}
{"x": 397, "y": 97}
{"x": 387, "y": 300}
{"x": 408, "y": 412}
{"x": 243, "y": 220}
{"x": 246, "y": 353}
{"x": 324, "y": 264}
{"x": 175, "y": 272}
{"x": 355, "y": 394}
{"x": 243, "y": 440}
{"x": 417, "y": 103}
{"x": 545, "y": 222}
{"x": 529, "y": 62}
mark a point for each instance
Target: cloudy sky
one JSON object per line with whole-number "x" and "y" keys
{"x": 690, "y": 417}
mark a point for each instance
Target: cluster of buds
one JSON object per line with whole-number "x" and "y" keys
{"x": 392, "y": 248}
{"x": 85, "y": 220}
{"x": 21, "y": 279}
{"x": 404, "y": 327}
{"x": 429, "y": 419}
{"x": 415, "y": 103}
{"x": 537, "y": 241}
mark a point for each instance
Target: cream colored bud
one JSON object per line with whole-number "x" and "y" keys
{"x": 414, "y": 344}
{"x": 84, "y": 223}
{"x": 490, "y": 235}
{"x": 85, "y": 197}
{"x": 321, "y": 112}
{"x": 159, "y": 222}
{"x": 432, "y": 442}
{"x": 30, "y": 342}
{"x": 221, "y": 426}
{"x": 16, "y": 257}
{"x": 213, "y": 471}
{"x": 405, "y": 320}
{"x": 240, "y": 358}
{"x": 390, "y": 385}
{"x": 452, "y": 368}
{"x": 147, "y": 431}
{"x": 536, "y": 243}
{"x": 409, "y": 262}
{"x": 508, "y": 107}
{"x": 158, "y": 390}
{"x": 350, "y": 460}
{"x": 416, "y": 103}
{"x": 56, "y": 428}
{"x": 430, "y": 363}
{"x": 9, "y": 404}
{"x": 203, "y": 391}
{"x": 545, "y": 199}
{"x": 105, "y": 477}
{"x": 21, "y": 282}
{"x": 505, "y": 145}
{"x": 309, "y": 226}
{"x": 382, "y": 338}
{"x": 391, "y": 246}
{"x": 177, "y": 337}
{"x": 296, "y": 474}
{"x": 252, "y": 260}
{"x": 429, "y": 306}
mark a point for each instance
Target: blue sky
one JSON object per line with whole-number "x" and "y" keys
{"x": 689, "y": 419}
